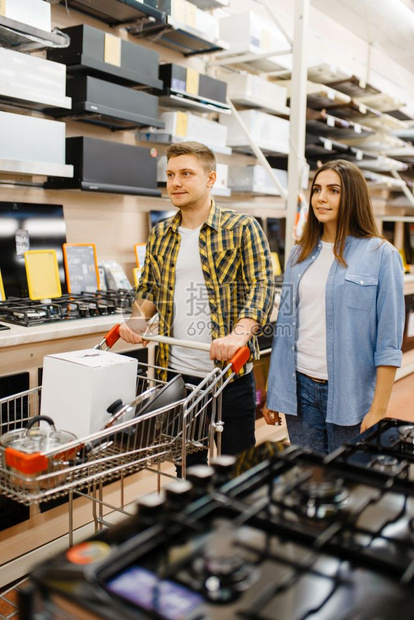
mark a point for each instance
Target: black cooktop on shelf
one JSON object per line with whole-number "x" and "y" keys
{"x": 294, "y": 535}
{"x": 27, "y": 312}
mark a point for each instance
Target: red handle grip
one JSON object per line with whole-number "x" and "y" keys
{"x": 112, "y": 336}
{"x": 239, "y": 359}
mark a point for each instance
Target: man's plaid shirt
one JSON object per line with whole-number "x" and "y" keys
{"x": 237, "y": 268}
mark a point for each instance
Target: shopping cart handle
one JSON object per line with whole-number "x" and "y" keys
{"x": 239, "y": 359}
{"x": 112, "y": 336}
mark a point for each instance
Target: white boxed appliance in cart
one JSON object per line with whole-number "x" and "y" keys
{"x": 78, "y": 386}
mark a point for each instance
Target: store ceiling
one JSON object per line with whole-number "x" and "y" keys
{"x": 388, "y": 24}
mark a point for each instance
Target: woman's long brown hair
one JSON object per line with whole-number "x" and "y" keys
{"x": 355, "y": 214}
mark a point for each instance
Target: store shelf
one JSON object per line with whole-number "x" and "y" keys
{"x": 206, "y": 5}
{"x": 319, "y": 123}
{"x": 179, "y": 37}
{"x": 22, "y": 37}
{"x": 118, "y": 12}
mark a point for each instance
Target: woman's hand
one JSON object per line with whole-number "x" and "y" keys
{"x": 371, "y": 418}
{"x": 271, "y": 417}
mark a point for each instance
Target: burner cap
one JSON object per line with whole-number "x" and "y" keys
{"x": 387, "y": 464}
{"x": 406, "y": 433}
{"x": 321, "y": 498}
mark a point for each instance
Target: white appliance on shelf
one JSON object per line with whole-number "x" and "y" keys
{"x": 25, "y": 78}
{"x": 250, "y": 33}
{"x": 32, "y": 145}
{"x": 270, "y": 133}
{"x": 182, "y": 126}
{"x": 34, "y": 13}
{"x": 256, "y": 180}
{"x": 220, "y": 187}
{"x": 254, "y": 91}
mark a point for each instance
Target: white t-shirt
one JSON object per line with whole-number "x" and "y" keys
{"x": 311, "y": 341}
{"x": 192, "y": 317}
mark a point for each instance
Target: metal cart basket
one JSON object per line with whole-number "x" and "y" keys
{"x": 131, "y": 442}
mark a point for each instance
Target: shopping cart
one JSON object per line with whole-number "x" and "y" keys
{"x": 136, "y": 436}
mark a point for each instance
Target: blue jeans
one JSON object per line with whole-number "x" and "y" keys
{"x": 309, "y": 429}
{"x": 239, "y": 417}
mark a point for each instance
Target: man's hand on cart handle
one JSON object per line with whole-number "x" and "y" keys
{"x": 131, "y": 335}
{"x": 224, "y": 348}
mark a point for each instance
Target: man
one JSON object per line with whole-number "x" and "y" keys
{"x": 208, "y": 274}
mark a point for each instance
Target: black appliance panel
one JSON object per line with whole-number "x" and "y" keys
{"x": 27, "y": 226}
{"x": 112, "y": 105}
{"x": 103, "y": 166}
{"x": 86, "y": 54}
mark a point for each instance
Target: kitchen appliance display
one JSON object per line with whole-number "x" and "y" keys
{"x": 27, "y": 312}
{"x": 294, "y": 536}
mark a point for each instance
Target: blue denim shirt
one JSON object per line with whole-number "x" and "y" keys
{"x": 365, "y": 315}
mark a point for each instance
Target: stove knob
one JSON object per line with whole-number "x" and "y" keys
{"x": 150, "y": 508}
{"x": 224, "y": 467}
{"x": 201, "y": 477}
{"x": 178, "y": 494}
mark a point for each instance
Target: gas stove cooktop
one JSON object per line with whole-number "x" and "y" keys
{"x": 27, "y": 312}
{"x": 292, "y": 536}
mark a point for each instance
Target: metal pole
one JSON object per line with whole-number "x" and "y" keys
{"x": 297, "y": 160}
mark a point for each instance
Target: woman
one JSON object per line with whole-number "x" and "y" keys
{"x": 339, "y": 330}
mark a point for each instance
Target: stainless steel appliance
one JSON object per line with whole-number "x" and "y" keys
{"x": 293, "y": 536}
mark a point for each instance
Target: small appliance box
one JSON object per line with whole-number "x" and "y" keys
{"x": 78, "y": 386}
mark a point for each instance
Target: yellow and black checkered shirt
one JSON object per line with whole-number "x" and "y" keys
{"x": 237, "y": 268}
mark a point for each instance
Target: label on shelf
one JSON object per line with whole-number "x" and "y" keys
{"x": 362, "y": 108}
{"x": 112, "y": 50}
{"x": 357, "y": 128}
{"x": 359, "y": 155}
{"x": 181, "y": 125}
{"x": 192, "y": 80}
{"x": 265, "y": 40}
{"x": 327, "y": 144}
{"x": 330, "y": 121}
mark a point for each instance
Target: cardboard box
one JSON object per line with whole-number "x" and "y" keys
{"x": 78, "y": 386}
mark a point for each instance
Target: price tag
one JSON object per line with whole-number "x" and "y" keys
{"x": 330, "y": 121}
{"x": 362, "y": 84}
{"x": 265, "y": 40}
{"x": 2, "y": 295}
{"x": 181, "y": 125}
{"x": 327, "y": 144}
{"x": 359, "y": 155}
{"x": 362, "y": 108}
{"x": 357, "y": 128}
{"x": 112, "y": 50}
{"x": 192, "y": 80}
{"x": 190, "y": 14}
{"x": 3, "y": 7}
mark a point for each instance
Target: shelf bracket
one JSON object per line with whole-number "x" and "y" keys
{"x": 257, "y": 151}
{"x": 404, "y": 189}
